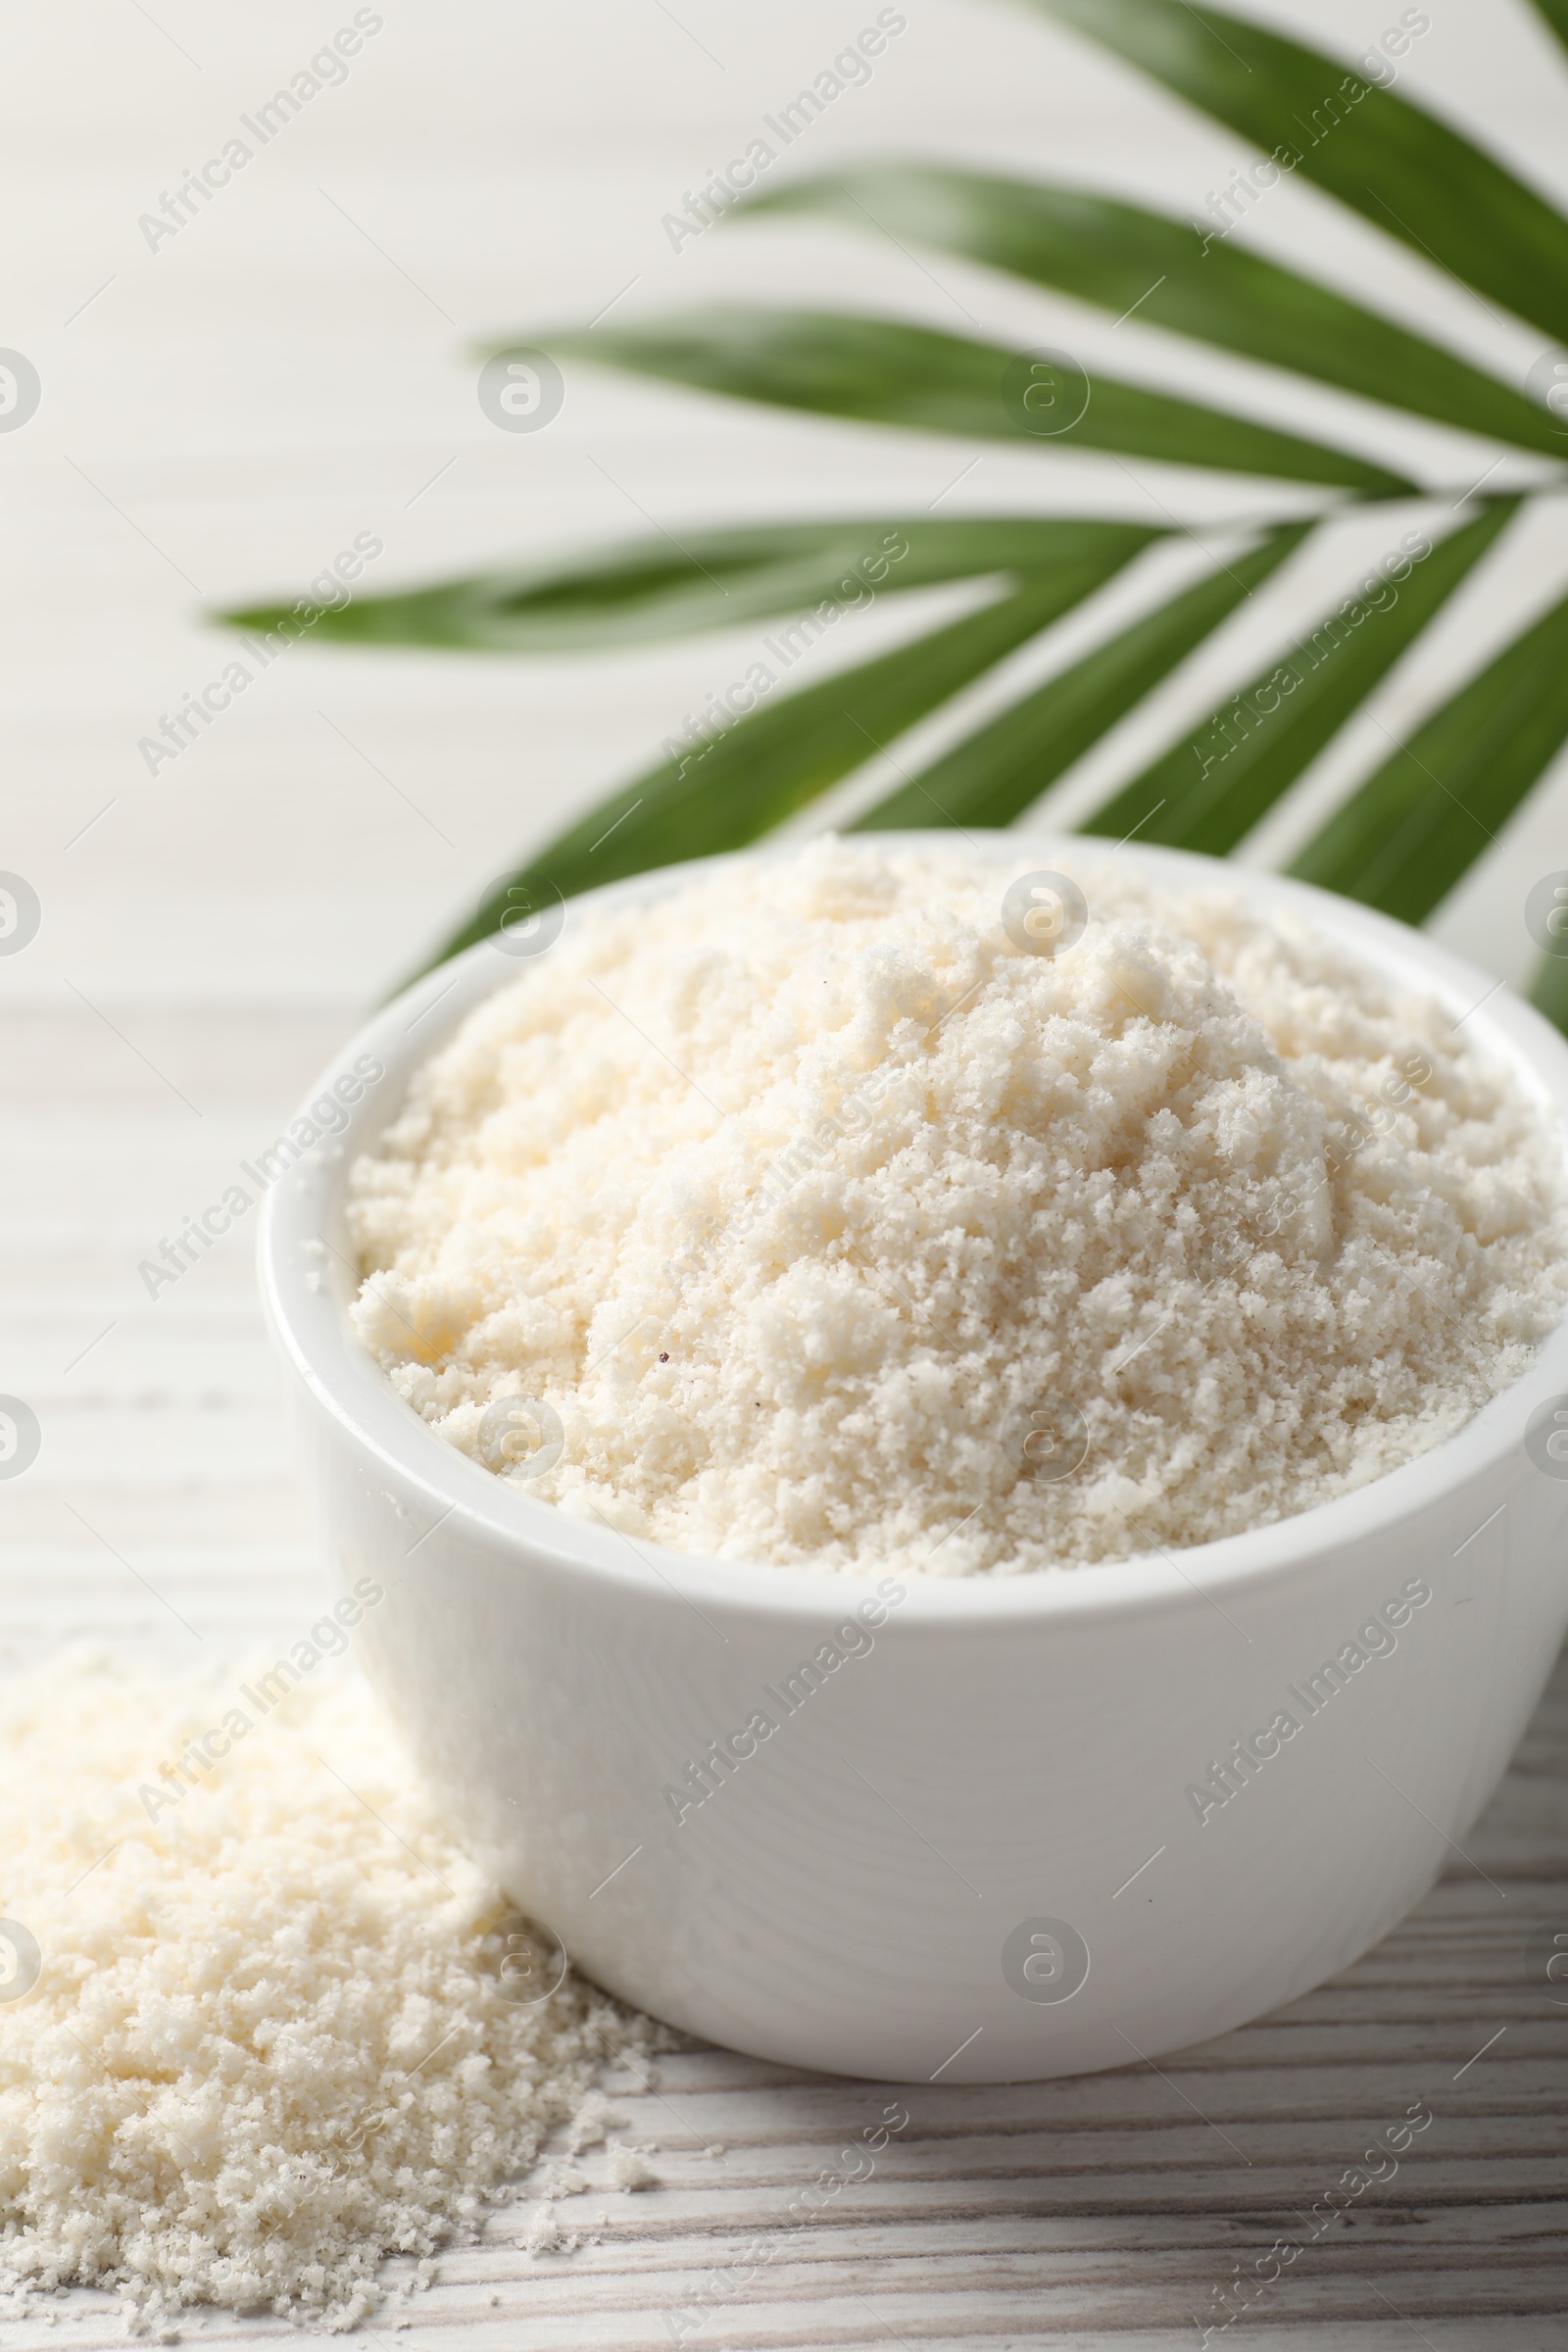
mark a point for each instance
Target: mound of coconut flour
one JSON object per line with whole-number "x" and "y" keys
{"x": 257, "y": 2035}
{"x": 820, "y": 1219}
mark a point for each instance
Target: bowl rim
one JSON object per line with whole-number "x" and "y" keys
{"x": 307, "y": 1318}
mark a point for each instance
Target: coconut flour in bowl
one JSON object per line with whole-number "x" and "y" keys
{"x": 828, "y": 1212}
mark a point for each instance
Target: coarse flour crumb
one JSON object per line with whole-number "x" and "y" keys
{"x": 269, "y": 2040}
{"x": 832, "y": 1224}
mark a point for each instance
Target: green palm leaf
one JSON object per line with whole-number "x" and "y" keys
{"x": 1382, "y": 155}
{"x": 1404, "y": 839}
{"x": 1129, "y": 261}
{"x": 1210, "y": 789}
{"x": 890, "y": 372}
{"x": 995, "y": 775}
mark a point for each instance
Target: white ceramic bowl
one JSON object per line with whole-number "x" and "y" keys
{"x": 968, "y": 1850}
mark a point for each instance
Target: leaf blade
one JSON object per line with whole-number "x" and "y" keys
{"x": 656, "y": 588}
{"x": 1127, "y": 260}
{"x": 888, "y": 371}
{"x": 1235, "y": 786}
{"x": 1405, "y": 837}
{"x": 994, "y": 775}
{"x": 1416, "y": 177}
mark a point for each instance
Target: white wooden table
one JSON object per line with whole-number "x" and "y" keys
{"x": 219, "y": 418}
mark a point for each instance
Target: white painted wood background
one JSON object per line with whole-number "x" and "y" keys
{"x": 219, "y": 418}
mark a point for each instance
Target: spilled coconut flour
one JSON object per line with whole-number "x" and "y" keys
{"x": 270, "y": 2041}
{"x": 833, "y": 1226}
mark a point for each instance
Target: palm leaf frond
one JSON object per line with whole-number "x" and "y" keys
{"x": 1401, "y": 839}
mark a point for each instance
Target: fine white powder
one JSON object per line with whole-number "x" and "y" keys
{"x": 820, "y": 1221}
{"x": 269, "y": 2040}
